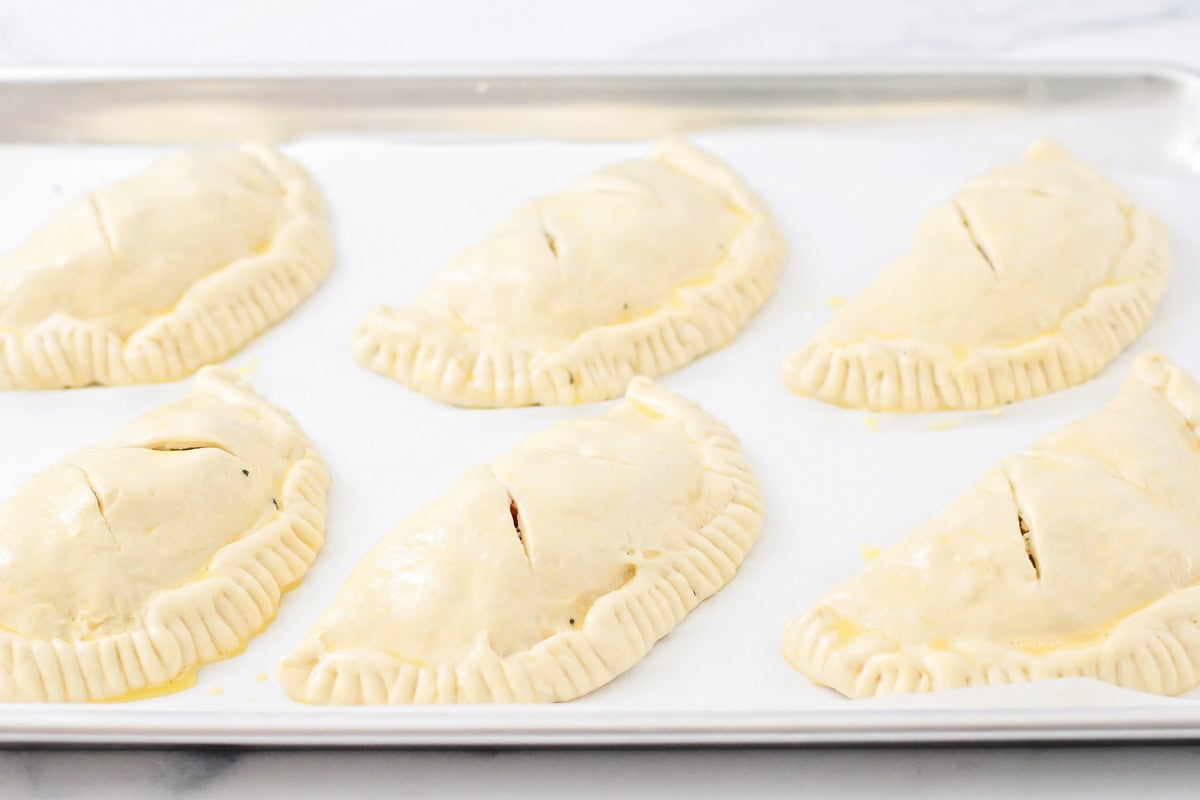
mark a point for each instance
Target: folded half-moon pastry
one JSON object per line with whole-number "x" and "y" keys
{"x": 546, "y": 572}
{"x": 1078, "y": 557}
{"x": 635, "y": 270}
{"x": 129, "y": 563}
{"x": 153, "y": 277}
{"x": 1031, "y": 279}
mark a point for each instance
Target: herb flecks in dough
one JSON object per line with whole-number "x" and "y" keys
{"x": 151, "y": 278}
{"x": 131, "y": 562}
{"x": 1073, "y": 273}
{"x": 634, "y": 270}
{"x": 1104, "y": 582}
{"x": 626, "y": 521}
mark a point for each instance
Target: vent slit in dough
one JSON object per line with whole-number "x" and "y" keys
{"x": 623, "y": 523}
{"x": 983, "y": 253}
{"x": 99, "y": 505}
{"x": 1023, "y": 528}
{"x": 153, "y": 277}
{"x": 1032, "y": 279}
{"x": 102, "y": 226}
{"x": 129, "y": 563}
{"x": 1108, "y": 511}
{"x": 518, "y": 528}
{"x": 183, "y": 447}
{"x": 635, "y": 270}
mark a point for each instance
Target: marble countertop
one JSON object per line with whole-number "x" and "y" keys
{"x": 128, "y": 32}
{"x": 227, "y": 32}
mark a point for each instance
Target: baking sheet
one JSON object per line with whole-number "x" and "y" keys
{"x": 847, "y": 188}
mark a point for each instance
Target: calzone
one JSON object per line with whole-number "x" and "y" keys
{"x": 546, "y": 572}
{"x": 635, "y": 270}
{"x": 129, "y": 563}
{"x": 151, "y": 278}
{"x": 1077, "y": 557}
{"x": 1033, "y": 278}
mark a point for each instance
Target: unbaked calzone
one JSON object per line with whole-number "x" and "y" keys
{"x": 546, "y": 572}
{"x": 635, "y": 270}
{"x": 129, "y": 563}
{"x": 1033, "y": 278}
{"x": 1078, "y": 557}
{"x": 153, "y": 277}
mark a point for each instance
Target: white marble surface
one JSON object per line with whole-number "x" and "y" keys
{"x": 1075, "y": 774}
{"x": 136, "y": 32}
{"x": 225, "y": 32}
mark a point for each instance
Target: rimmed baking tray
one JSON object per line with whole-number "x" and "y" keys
{"x": 416, "y": 163}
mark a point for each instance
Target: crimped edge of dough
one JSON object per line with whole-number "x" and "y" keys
{"x": 914, "y": 375}
{"x": 618, "y": 631}
{"x": 1156, "y": 649}
{"x": 429, "y": 355}
{"x": 207, "y": 619}
{"x": 213, "y": 319}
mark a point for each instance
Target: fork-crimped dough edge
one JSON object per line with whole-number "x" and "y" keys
{"x": 427, "y": 353}
{"x": 1155, "y": 649}
{"x": 619, "y": 630}
{"x": 213, "y": 319}
{"x": 205, "y": 620}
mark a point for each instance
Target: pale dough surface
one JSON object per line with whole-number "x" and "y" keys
{"x": 1031, "y": 279}
{"x": 152, "y": 277}
{"x": 130, "y": 562}
{"x": 1078, "y": 557}
{"x": 636, "y": 269}
{"x": 546, "y": 572}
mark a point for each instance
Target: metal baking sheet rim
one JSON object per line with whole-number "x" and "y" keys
{"x": 561, "y": 726}
{"x": 798, "y": 69}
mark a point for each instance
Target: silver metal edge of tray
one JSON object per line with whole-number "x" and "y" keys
{"x": 568, "y": 69}
{"x": 522, "y": 726}
{"x": 566, "y": 101}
